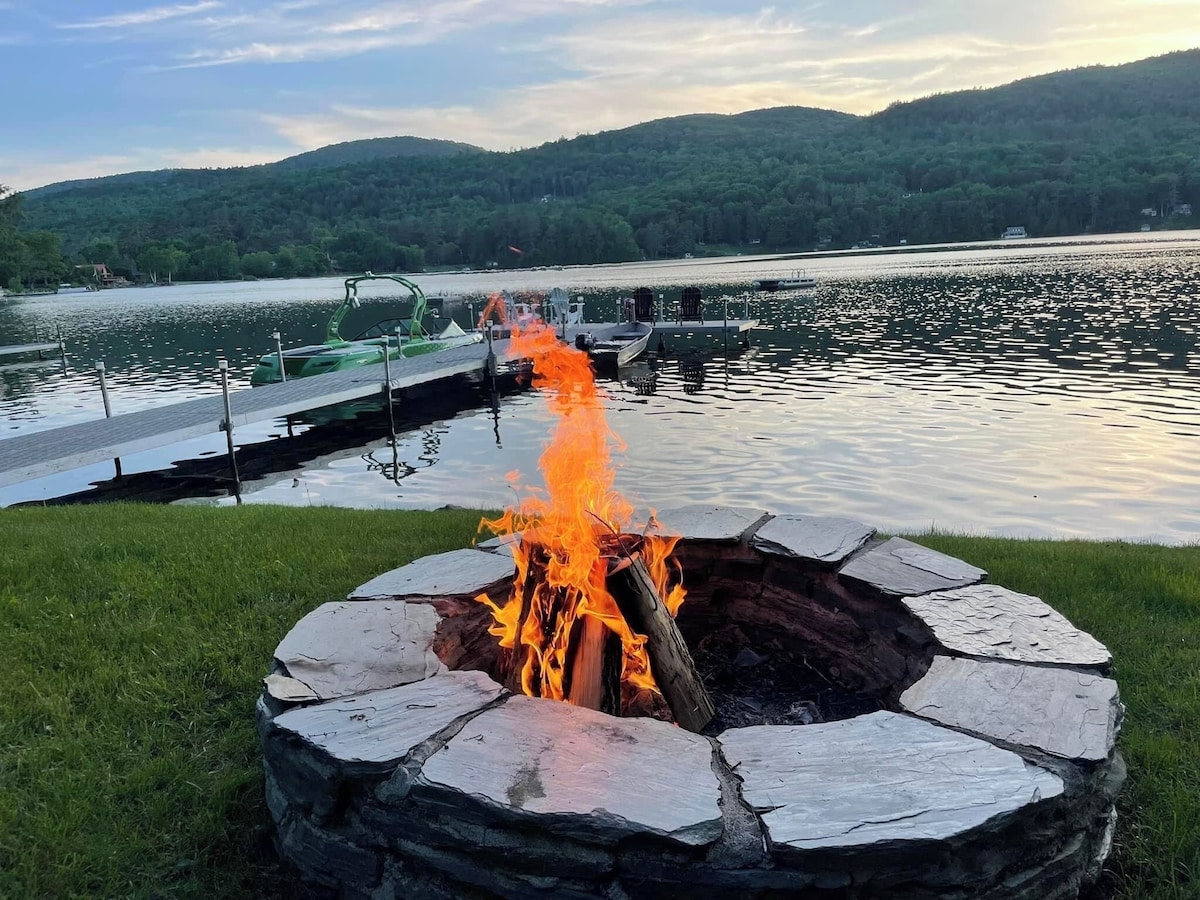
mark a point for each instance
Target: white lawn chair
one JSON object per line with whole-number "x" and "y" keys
{"x": 562, "y": 312}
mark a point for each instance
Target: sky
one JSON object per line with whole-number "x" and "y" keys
{"x": 98, "y": 87}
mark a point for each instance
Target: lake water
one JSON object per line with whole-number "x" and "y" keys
{"x": 1048, "y": 389}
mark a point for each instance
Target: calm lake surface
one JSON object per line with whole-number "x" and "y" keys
{"x": 1048, "y": 389}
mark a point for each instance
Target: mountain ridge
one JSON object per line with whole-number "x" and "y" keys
{"x": 1082, "y": 150}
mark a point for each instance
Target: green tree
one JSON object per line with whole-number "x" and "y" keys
{"x": 43, "y": 258}
{"x": 216, "y": 261}
{"x": 12, "y": 249}
{"x": 153, "y": 261}
{"x": 260, "y": 264}
{"x": 102, "y": 251}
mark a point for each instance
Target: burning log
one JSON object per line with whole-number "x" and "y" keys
{"x": 674, "y": 671}
{"x": 593, "y": 674}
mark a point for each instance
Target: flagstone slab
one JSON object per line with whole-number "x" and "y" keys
{"x": 622, "y": 776}
{"x": 1066, "y": 713}
{"x": 698, "y": 522}
{"x": 823, "y": 539}
{"x": 455, "y": 573}
{"x": 501, "y": 543}
{"x": 877, "y": 779}
{"x": 899, "y": 567}
{"x": 288, "y": 690}
{"x": 349, "y": 647}
{"x": 991, "y": 621}
{"x": 380, "y": 728}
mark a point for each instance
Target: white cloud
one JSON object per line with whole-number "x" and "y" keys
{"x": 300, "y": 31}
{"x": 653, "y": 65}
{"x": 145, "y": 16}
{"x": 628, "y": 61}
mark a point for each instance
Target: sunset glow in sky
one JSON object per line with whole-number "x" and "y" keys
{"x": 105, "y": 86}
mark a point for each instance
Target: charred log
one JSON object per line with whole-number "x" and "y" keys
{"x": 670, "y": 661}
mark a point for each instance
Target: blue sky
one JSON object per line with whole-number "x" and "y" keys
{"x": 104, "y": 86}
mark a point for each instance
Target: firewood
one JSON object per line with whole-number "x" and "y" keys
{"x": 592, "y": 676}
{"x": 670, "y": 662}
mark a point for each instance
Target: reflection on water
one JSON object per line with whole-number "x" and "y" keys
{"x": 398, "y": 468}
{"x": 1047, "y": 391}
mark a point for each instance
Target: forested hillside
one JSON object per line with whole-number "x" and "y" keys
{"x": 1080, "y": 151}
{"x": 370, "y": 149}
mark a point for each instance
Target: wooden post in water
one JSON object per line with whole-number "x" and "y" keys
{"x": 279, "y": 355}
{"x": 387, "y": 388}
{"x": 227, "y": 427}
{"x": 107, "y": 407}
{"x": 492, "y": 368}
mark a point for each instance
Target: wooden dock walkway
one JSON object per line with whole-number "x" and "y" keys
{"x": 58, "y": 449}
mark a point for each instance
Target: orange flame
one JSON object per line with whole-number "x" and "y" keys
{"x": 563, "y": 526}
{"x": 495, "y": 304}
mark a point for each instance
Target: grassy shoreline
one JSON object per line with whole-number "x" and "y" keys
{"x": 134, "y": 638}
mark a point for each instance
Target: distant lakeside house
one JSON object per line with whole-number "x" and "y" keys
{"x": 104, "y": 277}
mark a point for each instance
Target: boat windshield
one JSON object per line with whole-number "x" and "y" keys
{"x": 388, "y": 327}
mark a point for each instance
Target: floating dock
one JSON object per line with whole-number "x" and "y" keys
{"x": 41, "y": 453}
{"x": 41, "y": 347}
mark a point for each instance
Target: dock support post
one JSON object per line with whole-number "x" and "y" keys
{"x": 725, "y": 330}
{"x": 279, "y": 355}
{"x": 107, "y": 407}
{"x": 747, "y": 316}
{"x": 62, "y": 345}
{"x": 491, "y": 360}
{"x": 387, "y": 387}
{"x": 227, "y": 427}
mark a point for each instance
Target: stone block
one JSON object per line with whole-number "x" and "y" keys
{"x": 1063, "y": 712}
{"x": 372, "y": 732}
{"x": 898, "y": 567}
{"x": 348, "y": 647}
{"x": 458, "y": 573}
{"x": 819, "y": 539}
{"x": 699, "y": 522}
{"x": 612, "y": 776}
{"x": 991, "y": 621}
{"x": 288, "y": 690}
{"x": 328, "y": 856}
{"x": 877, "y": 779}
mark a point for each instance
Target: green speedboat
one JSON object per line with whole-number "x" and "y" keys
{"x": 338, "y": 354}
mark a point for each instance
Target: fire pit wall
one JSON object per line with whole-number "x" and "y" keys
{"x": 397, "y": 766}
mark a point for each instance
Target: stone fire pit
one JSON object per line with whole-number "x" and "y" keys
{"x": 396, "y": 767}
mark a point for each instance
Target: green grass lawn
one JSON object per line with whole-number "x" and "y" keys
{"x": 133, "y": 640}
